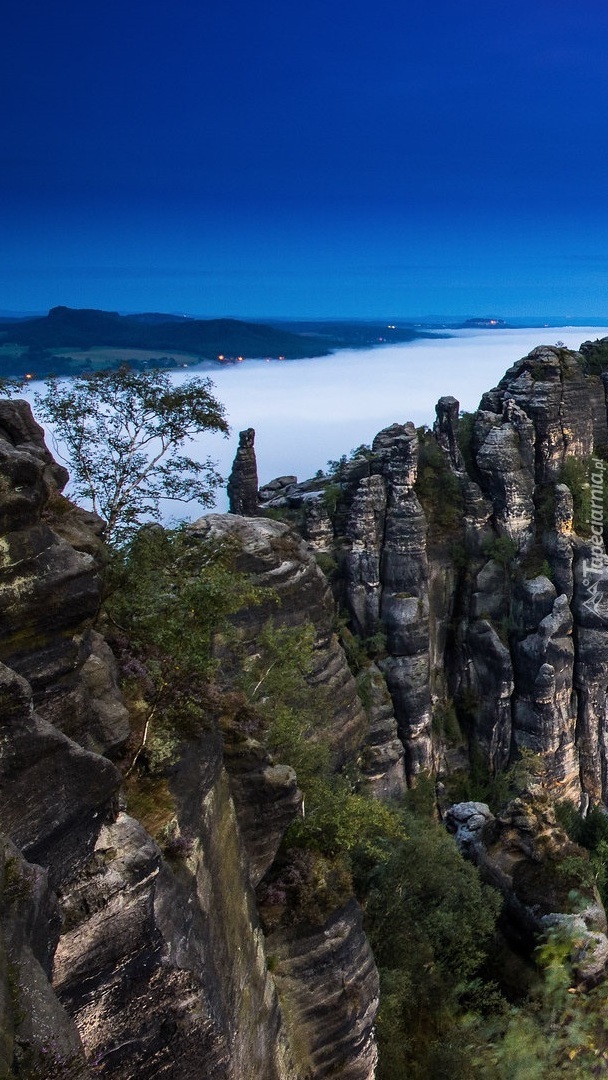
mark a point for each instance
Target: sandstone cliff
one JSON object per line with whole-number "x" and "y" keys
{"x": 470, "y": 567}
{"x": 461, "y": 547}
{"x": 113, "y": 952}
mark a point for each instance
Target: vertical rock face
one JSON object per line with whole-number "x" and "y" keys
{"x": 50, "y": 588}
{"x": 550, "y": 387}
{"x": 159, "y": 965}
{"x": 590, "y": 611}
{"x": 329, "y": 982}
{"x": 298, "y": 594}
{"x": 544, "y": 716}
{"x": 361, "y": 562}
{"x": 158, "y": 983}
{"x": 489, "y": 679}
{"x": 36, "y": 1033}
{"x": 446, "y": 430}
{"x": 54, "y": 796}
{"x": 386, "y": 579}
{"x": 318, "y": 529}
{"x": 504, "y": 455}
{"x": 383, "y": 756}
{"x": 243, "y": 480}
{"x": 28, "y": 472}
{"x": 544, "y": 411}
{"x": 266, "y": 797}
{"x": 503, "y": 615}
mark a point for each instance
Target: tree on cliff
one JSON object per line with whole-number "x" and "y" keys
{"x": 122, "y": 432}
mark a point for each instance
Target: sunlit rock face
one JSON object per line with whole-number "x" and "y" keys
{"x": 36, "y": 1032}
{"x": 164, "y": 968}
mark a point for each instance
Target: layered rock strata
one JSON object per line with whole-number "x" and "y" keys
{"x": 296, "y": 594}
{"x": 140, "y": 962}
{"x": 504, "y": 609}
{"x": 328, "y": 980}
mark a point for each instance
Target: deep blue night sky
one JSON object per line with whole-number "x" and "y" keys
{"x": 333, "y": 158}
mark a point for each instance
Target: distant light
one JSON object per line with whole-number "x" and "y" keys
{"x": 281, "y": 357}
{"x": 240, "y": 359}
{"x": 221, "y": 357}
{"x": 29, "y": 376}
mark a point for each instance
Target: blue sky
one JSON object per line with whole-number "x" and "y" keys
{"x": 329, "y": 159}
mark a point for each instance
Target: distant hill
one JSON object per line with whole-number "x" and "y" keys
{"x": 74, "y": 328}
{"x": 483, "y": 324}
{"x": 68, "y": 341}
{"x": 357, "y": 334}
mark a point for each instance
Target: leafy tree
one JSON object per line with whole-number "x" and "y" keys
{"x": 10, "y": 386}
{"x": 430, "y": 922}
{"x": 123, "y": 431}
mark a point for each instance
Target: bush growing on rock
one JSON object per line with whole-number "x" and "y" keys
{"x": 438, "y": 488}
{"x": 170, "y": 596}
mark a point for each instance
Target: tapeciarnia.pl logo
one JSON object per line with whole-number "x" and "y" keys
{"x": 597, "y": 600}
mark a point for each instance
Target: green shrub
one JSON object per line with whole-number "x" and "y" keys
{"x": 430, "y": 922}
{"x": 332, "y": 494}
{"x": 437, "y": 488}
{"x": 502, "y": 550}
{"x": 577, "y": 472}
{"x": 327, "y": 563}
{"x": 591, "y": 832}
{"x": 445, "y": 722}
{"x": 466, "y": 428}
{"x": 170, "y": 597}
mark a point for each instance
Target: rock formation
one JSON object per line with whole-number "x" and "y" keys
{"x": 475, "y": 573}
{"x": 524, "y": 854}
{"x": 470, "y": 566}
{"x": 243, "y": 480}
{"x": 110, "y": 950}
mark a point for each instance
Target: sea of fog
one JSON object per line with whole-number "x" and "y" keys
{"x": 306, "y": 412}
